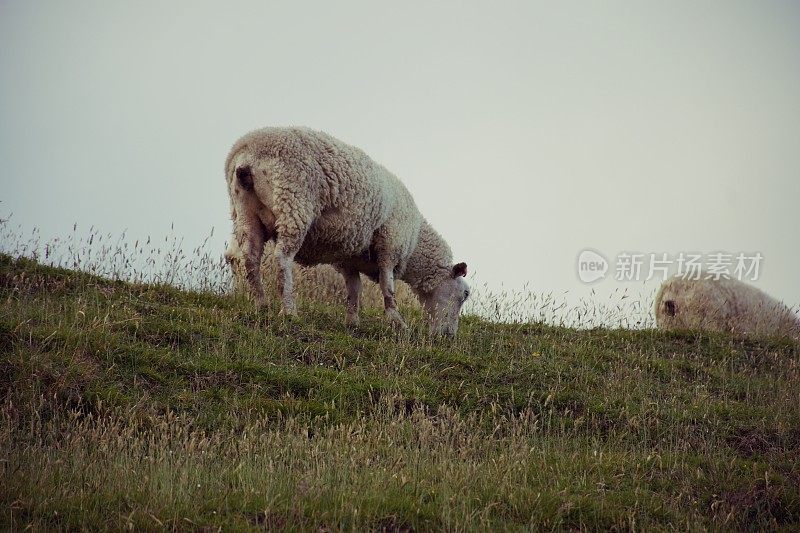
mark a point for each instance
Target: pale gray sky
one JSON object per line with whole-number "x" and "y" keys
{"x": 527, "y": 131}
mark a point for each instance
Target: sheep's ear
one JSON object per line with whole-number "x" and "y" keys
{"x": 460, "y": 270}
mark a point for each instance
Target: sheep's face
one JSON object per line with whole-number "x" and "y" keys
{"x": 444, "y": 303}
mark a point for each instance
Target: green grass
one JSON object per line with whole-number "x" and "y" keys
{"x": 148, "y": 407}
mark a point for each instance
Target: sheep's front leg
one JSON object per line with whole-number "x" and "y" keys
{"x": 386, "y": 279}
{"x": 352, "y": 280}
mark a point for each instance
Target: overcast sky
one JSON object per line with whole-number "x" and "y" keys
{"x": 527, "y": 131}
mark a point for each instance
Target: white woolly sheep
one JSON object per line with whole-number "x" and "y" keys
{"x": 725, "y": 305}
{"x": 325, "y": 202}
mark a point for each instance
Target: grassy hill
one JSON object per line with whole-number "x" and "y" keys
{"x": 145, "y": 407}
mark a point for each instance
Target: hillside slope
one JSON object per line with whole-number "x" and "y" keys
{"x": 147, "y": 407}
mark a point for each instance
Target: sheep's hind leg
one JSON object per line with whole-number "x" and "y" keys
{"x": 285, "y": 260}
{"x": 251, "y": 243}
{"x": 292, "y": 227}
{"x": 386, "y": 280}
{"x": 352, "y": 280}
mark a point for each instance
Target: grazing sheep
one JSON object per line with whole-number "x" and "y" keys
{"x": 325, "y": 202}
{"x": 724, "y": 305}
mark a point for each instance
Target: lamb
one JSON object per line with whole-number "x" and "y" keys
{"x": 725, "y": 305}
{"x": 325, "y": 202}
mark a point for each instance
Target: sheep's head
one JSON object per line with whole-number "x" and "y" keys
{"x": 667, "y": 304}
{"x": 443, "y": 304}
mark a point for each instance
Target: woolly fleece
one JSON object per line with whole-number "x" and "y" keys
{"x": 725, "y": 305}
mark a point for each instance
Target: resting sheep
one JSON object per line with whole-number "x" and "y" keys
{"x": 725, "y": 305}
{"x": 325, "y": 202}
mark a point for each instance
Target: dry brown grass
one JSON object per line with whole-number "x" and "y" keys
{"x": 145, "y": 406}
